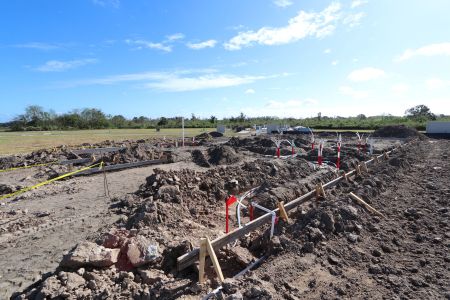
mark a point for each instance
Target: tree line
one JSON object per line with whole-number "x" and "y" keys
{"x": 36, "y": 118}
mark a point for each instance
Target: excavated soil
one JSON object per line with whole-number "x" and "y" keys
{"x": 330, "y": 247}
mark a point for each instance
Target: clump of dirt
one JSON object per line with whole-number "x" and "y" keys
{"x": 397, "y": 131}
{"x": 216, "y": 134}
{"x": 222, "y": 155}
{"x": 199, "y": 158}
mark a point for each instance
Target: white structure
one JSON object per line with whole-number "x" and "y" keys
{"x": 438, "y": 127}
{"x": 276, "y": 128}
{"x": 221, "y": 129}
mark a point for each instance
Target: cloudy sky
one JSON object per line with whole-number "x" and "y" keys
{"x": 261, "y": 57}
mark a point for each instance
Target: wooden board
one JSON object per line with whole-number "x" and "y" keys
{"x": 123, "y": 166}
{"x": 75, "y": 161}
{"x": 98, "y": 150}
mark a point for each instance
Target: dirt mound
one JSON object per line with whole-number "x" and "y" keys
{"x": 397, "y": 131}
{"x": 222, "y": 155}
{"x": 216, "y": 134}
{"x": 199, "y": 158}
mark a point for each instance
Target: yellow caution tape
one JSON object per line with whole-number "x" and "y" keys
{"x": 27, "y": 167}
{"x": 100, "y": 165}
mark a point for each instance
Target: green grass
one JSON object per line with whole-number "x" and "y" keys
{"x": 27, "y": 141}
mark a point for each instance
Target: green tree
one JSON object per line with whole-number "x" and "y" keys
{"x": 420, "y": 112}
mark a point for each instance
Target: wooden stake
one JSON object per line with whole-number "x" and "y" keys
{"x": 283, "y": 213}
{"x": 320, "y": 191}
{"x": 358, "y": 169}
{"x": 201, "y": 272}
{"x": 215, "y": 262}
{"x": 376, "y": 159}
{"x": 367, "y": 206}
{"x": 364, "y": 167}
{"x": 386, "y": 156}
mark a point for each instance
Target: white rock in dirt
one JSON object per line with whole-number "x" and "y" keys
{"x": 90, "y": 254}
{"x": 141, "y": 251}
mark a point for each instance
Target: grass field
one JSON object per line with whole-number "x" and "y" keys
{"x": 27, "y": 141}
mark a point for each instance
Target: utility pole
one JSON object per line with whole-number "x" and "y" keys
{"x": 182, "y": 126}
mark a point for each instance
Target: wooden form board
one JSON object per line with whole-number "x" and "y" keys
{"x": 98, "y": 150}
{"x": 190, "y": 258}
{"x": 123, "y": 166}
{"x": 75, "y": 161}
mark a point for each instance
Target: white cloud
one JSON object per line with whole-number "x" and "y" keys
{"x": 442, "y": 49}
{"x": 335, "y": 62}
{"x": 437, "y": 83}
{"x": 283, "y": 108}
{"x": 327, "y": 51}
{"x": 203, "y": 82}
{"x": 250, "y": 91}
{"x": 358, "y": 3}
{"x": 104, "y": 3}
{"x": 176, "y": 81}
{"x": 400, "y": 88}
{"x": 38, "y": 46}
{"x": 202, "y": 45}
{"x": 305, "y": 24}
{"x": 59, "y": 66}
{"x": 141, "y": 44}
{"x": 353, "y": 20}
{"x": 176, "y": 36}
{"x": 349, "y": 91}
{"x": 365, "y": 74}
{"x": 283, "y": 3}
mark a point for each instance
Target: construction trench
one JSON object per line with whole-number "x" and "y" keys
{"x": 144, "y": 242}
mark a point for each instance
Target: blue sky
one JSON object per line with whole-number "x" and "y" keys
{"x": 261, "y": 57}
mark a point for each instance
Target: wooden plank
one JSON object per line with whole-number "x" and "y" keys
{"x": 214, "y": 259}
{"x": 97, "y": 150}
{"x": 365, "y": 204}
{"x": 75, "y": 161}
{"x": 201, "y": 272}
{"x": 123, "y": 166}
{"x": 190, "y": 258}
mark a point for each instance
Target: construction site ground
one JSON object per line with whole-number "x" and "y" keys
{"x": 360, "y": 255}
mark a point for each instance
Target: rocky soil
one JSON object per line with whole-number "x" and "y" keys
{"x": 330, "y": 248}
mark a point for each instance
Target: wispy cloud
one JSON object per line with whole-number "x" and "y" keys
{"x": 39, "y": 46}
{"x": 327, "y": 51}
{"x": 356, "y": 94}
{"x": 203, "y": 82}
{"x": 143, "y": 44}
{"x": 353, "y": 20}
{"x": 437, "y": 83}
{"x": 176, "y": 81}
{"x": 284, "y": 108}
{"x": 60, "y": 66}
{"x": 334, "y": 62}
{"x": 250, "y": 91}
{"x": 202, "y": 45}
{"x": 365, "y": 74}
{"x": 305, "y": 24}
{"x": 105, "y": 3}
{"x": 283, "y": 3}
{"x": 440, "y": 49}
{"x": 176, "y": 36}
{"x": 358, "y": 3}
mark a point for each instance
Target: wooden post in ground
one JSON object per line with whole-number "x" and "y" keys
{"x": 386, "y": 156}
{"x": 283, "y": 213}
{"x": 214, "y": 259}
{"x": 376, "y": 159}
{"x": 364, "y": 167}
{"x": 202, "y": 259}
{"x": 358, "y": 170}
{"x": 366, "y": 205}
{"x": 320, "y": 191}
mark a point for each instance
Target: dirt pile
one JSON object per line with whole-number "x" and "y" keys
{"x": 397, "y": 131}
{"x": 216, "y": 155}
